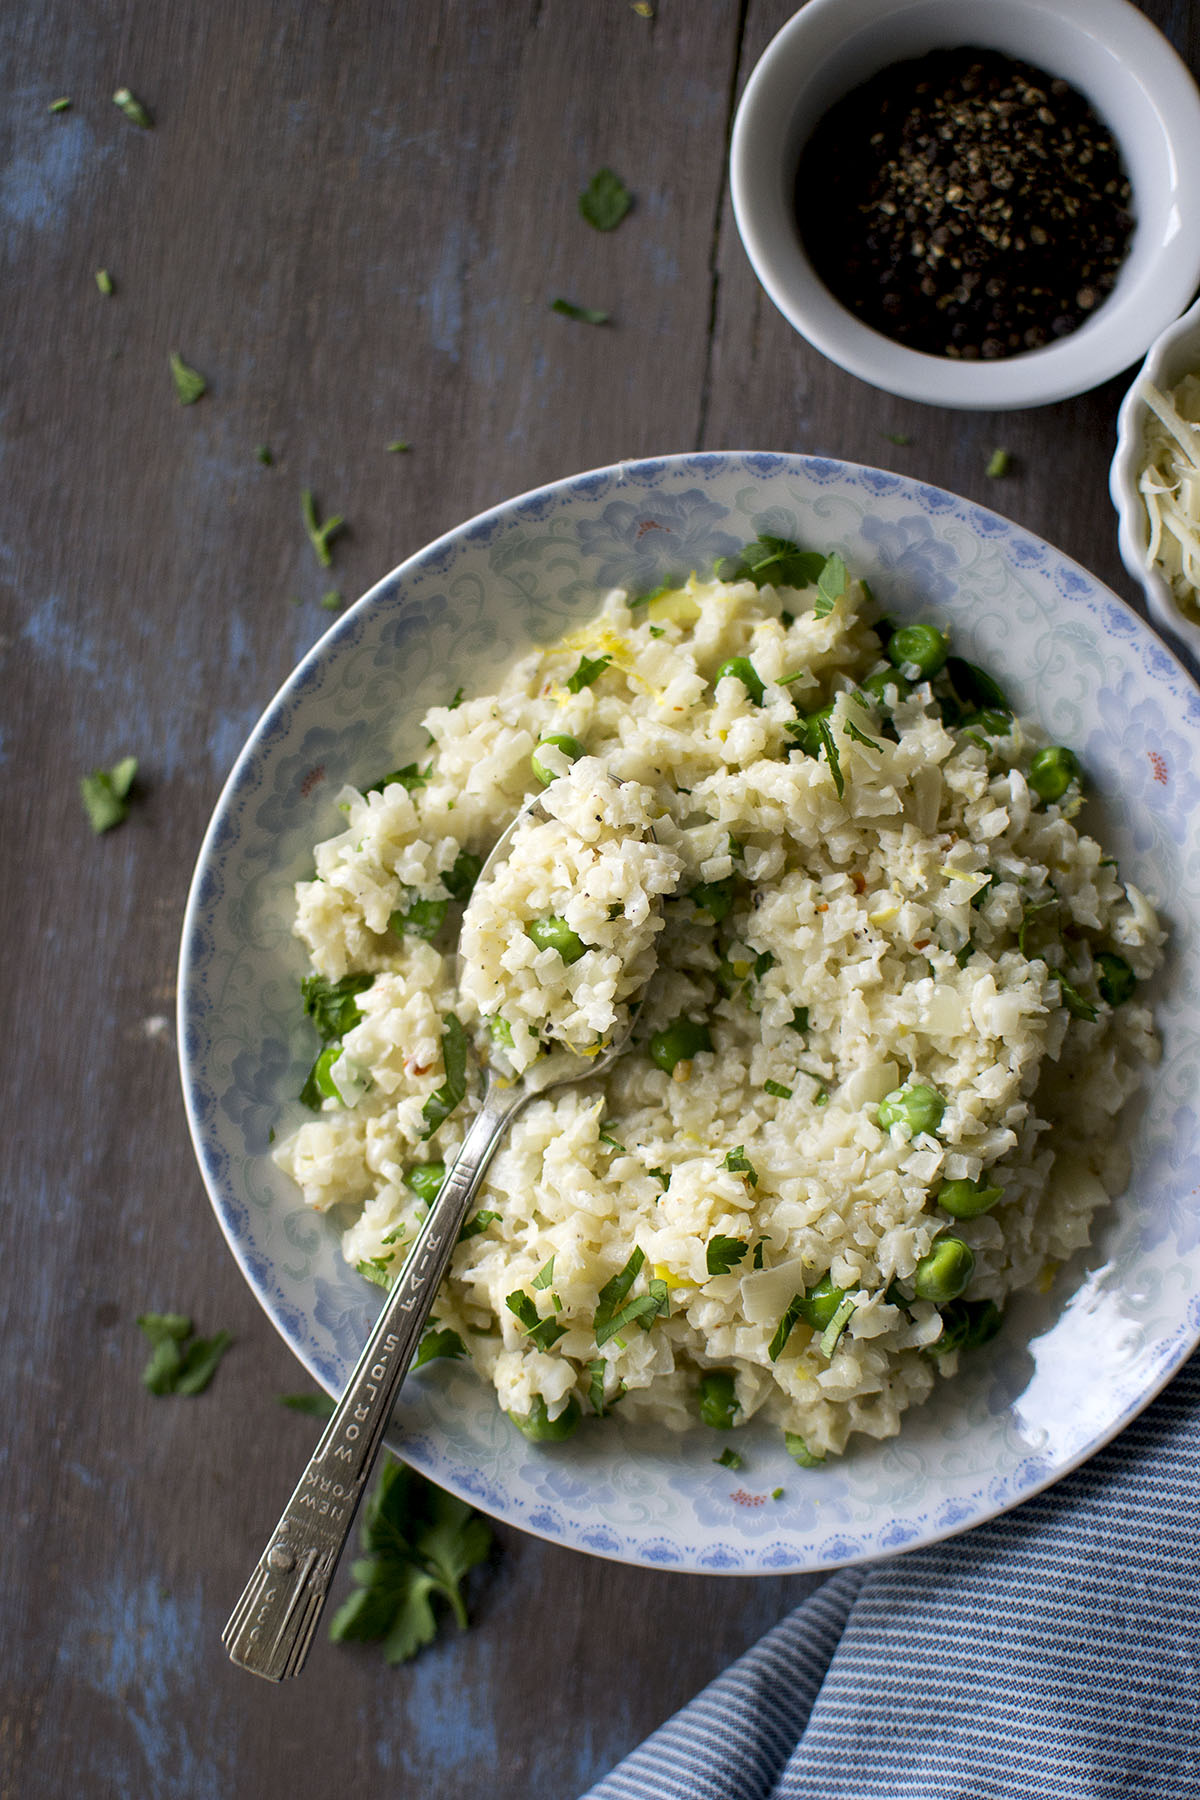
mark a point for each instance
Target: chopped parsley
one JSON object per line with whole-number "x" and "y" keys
{"x": 831, "y": 585}
{"x": 105, "y": 794}
{"x": 319, "y": 536}
{"x": 104, "y": 281}
{"x": 332, "y": 1005}
{"x": 613, "y": 1143}
{"x": 590, "y": 669}
{"x": 397, "y": 446}
{"x": 264, "y": 455}
{"x": 418, "y": 1545}
{"x": 410, "y": 777}
{"x": 1073, "y": 1000}
{"x": 723, "y": 1253}
{"x": 189, "y": 383}
{"x": 728, "y": 1459}
{"x": 605, "y": 200}
{"x": 543, "y": 1334}
{"x": 661, "y": 1176}
{"x": 799, "y": 1019}
{"x": 180, "y": 1363}
{"x": 442, "y": 1342}
{"x": 61, "y": 105}
{"x": 783, "y": 1330}
{"x": 831, "y": 755}
{"x": 545, "y": 1276}
{"x": 901, "y": 438}
{"x": 836, "y": 1326}
{"x": 314, "y": 1406}
{"x": 584, "y": 315}
{"x": 777, "y": 1090}
{"x": 776, "y": 560}
{"x": 999, "y": 464}
{"x": 799, "y": 1451}
{"x": 740, "y": 1163}
{"x": 611, "y": 1316}
{"x": 331, "y": 600}
{"x": 443, "y": 1100}
{"x": 460, "y": 880}
{"x": 860, "y": 737}
{"x": 133, "y": 109}
{"x": 476, "y": 1226}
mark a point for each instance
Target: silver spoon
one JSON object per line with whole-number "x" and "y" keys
{"x": 272, "y": 1625}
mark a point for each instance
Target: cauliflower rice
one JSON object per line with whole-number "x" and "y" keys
{"x": 873, "y": 903}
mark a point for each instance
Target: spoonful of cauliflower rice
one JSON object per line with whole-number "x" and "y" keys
{"x": 557, "y": 943}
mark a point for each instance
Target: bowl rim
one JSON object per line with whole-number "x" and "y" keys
{"x": 1152, "y": 288}
{"x": 1133, "y": 535}
{"x": 1033, "y": 1475}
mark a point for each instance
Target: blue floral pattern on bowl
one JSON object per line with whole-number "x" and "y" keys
{"x": 1072, "y": 1366}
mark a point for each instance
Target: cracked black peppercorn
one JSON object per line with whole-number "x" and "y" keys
{"x": 965, "y": 204}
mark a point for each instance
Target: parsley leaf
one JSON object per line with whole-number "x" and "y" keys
{"x": 1073, "y": 1000}
{"x": 799, "y": 1451}
{"x": 443, "y": 1100}
{"x": 460, "y": 880}
{"x": 585, "y": 315}
{"x": 179, "y": 1363}
{"x": 319, "y": 536}
{"x": 728, "y": 1459}
{"x": 722, "y": 1253}
{"x": 542, "y": 1333}
{"x": 776, "y": 560}
{"x": 831, "y": 585}
{"x": 799, "y": 1019}
{"x": 740, "y": 1163}
{"x": 661, "y": 1176}
{"x": 420, "y": 1543}
{"x": 189, "y": 383}
{"x": 105, "y": 794}
{"x": 608, "y": 1321}
{"x": 860, "y": 737}
{"x": 605, "y": 200}
{"x": 444, "y": 1342}
{"x": 831, "y": 755}
{"x": 833, "y": 1331}
{"x": 477, "y": 1226}
{"x": 104, "y": 281}
{"x": 777, "y": 1090}
{"x": 410, "y": 776}
{"x": 783, "y": 1330}
{"x": 545, "y": 1276}
{"x": 595, "y": 1372}
{"x": 590, "y": 669}
{"x": 331, "y": 1005}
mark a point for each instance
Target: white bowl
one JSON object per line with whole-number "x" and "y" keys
{"x": 1108, "y": 50}
{"x": 1172, "y": 355}
{"x": 1071, "y": 1366}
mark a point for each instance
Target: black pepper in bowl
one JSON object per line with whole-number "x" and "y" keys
{"x": 965, "y": 204}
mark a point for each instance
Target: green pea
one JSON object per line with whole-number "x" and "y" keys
{"x": 746, "y": 673}
{"x": 1114, "y": 977}
{"x": 714, "y": 897}
{"x": 425, "y": 1180}
{"x": 718, "y": 1402}
{"x": 570, "y": 747}
{"x": 1052, "y": 771}
{"x": 887, "y": 686}
{"x": 966, "y": 1324}
{"x": 806, "y": 730}
{"x": 556, "y": 934}
{"x": 920, "y": 647}
{"x": 945, "y": 1272}
{"x": 820, "y": 1303}
{"x": 423, "y": 919}
{"x": 679, "y": 1042}
{"x": 540, "y": 1429}
{"x": 967, "y": 1199}
{"x": 916, "y": 1105}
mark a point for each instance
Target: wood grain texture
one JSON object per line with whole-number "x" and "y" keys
{"x": 351, "y": 218}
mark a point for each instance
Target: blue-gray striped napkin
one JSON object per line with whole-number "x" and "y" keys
{"x": 1053, "y": 1654}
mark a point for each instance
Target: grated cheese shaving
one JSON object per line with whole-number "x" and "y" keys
{"x": 1169, "y": 484}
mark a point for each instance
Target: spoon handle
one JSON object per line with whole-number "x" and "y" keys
{"x": 272, "y": 1625}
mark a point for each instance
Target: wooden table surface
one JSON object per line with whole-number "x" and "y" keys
{"x": 351, "y": 219}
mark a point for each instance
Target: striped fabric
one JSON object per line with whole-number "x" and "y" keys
{"x": 1053, "y": 1654}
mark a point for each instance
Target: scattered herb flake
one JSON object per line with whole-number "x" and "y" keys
{"x": 542, "y": 1333}
{"x": 783, "y": 1330}
{"x": 319, "y": 536}
{"x": 831, "y": 755}
{"x": 105, "y": 794}
{"x": 836, "y": 1326}
{"x": 998, "y": 464}
{"x": 315, "y": 1406}
{"x": 476, "y": 1226}
{"x": 453, "y": 705}
{"x": 1073, "y": 1000}
{"x": 608, "y": 1321}
{"x": 419, "y": 1544}
{"x": 190, "y": 385}
{"x": 590, "y": 669}
{"x": 442, "y": 1102}
{"x": 410, "y": 776}
{"x": 661, "y": 1176}
{"x": 332, "y": 601}
{"x": 860, "y": 737}
{"x": 728, "y": 1459}
{"x": 397, "y": 446}
{"x": 777, "y": 1090}
{"x": 331, "y": 1005}
{"x": 777, "y": 1493}
{"x": 179, "y": 1363}
{"x": 775, "y": 560}
{"x": 545, "y": 1276}
{"x": 740, "y": 1163}
{"x": 605, "y": 200}
{"x": 585, "y": 315}
{"x": 831, "y": 585}
{"x": 104, "y": 281}
{"x": 62, "y": 104}
{"x": 262, "y": 454}
{"x": 799, "y": 1019}
{"x": 897, "y": 437}
{"x": 723, "y": 1253}
{"x": 133, "y": 109}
